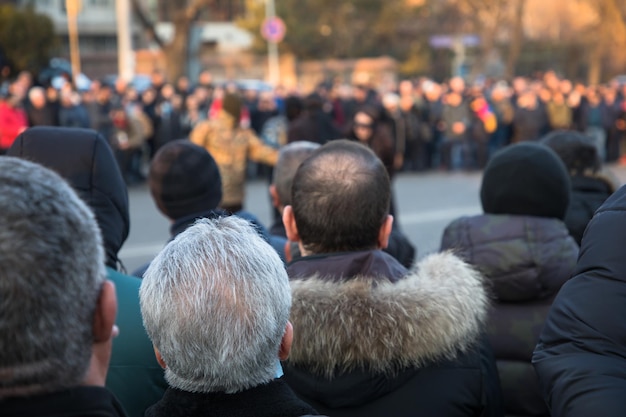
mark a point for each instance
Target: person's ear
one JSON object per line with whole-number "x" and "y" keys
{"x": 105, "y": 314}
{"x": 285, "y": 344}
{"x": 289, "y": 221}
{"x": 385, "y": 232}
{"x": 159, "y": 358}
{"x": 275, "y": 200}
{"x": 103, "y": 332}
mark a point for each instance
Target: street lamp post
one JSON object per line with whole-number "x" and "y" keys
{"x": 272, "y": 46}
{"x": 73, "y": 7}
{"x": 125, "y": 65}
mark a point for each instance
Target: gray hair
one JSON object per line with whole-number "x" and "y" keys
{"x": 51, "y": 273}
{"x": 215, "y": 303}
{"x": 290, "y": 158}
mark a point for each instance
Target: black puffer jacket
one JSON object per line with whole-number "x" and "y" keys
{"x": 581, "y": 356}
{"x": 525, "y": 261}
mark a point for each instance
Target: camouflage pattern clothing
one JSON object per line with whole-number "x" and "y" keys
{"x": 231, "y": 148}
{"x": 525, "y": 261}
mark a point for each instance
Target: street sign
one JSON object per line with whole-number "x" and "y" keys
{"x": 273, "y": 29}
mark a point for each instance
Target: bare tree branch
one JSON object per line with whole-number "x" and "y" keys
{"x": 147, "y": 24}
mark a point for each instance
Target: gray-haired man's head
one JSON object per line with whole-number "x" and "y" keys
{"x": 290, "y": 158}
{"x": 51, "y": 278}
{"x": 215, "y": 303}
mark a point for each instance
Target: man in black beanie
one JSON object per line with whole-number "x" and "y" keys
{"x": 524, "y": 250}
{"x": 186, "y": 185}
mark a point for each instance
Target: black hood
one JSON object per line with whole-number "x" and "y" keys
{"x": 85, "y": 160}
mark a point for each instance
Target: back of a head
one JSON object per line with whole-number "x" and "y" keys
{"x": 232, "y": 105}
{"x": 289, "y": 159}
{"x": 51, "y": 272}
{"x": 340, "y": 198}
{"x": 577, "y": 151}
{"x": 293, "y": 107}
{"x": 85, "y": 160}
{"x": 215, "y": 303}
{"x": 526, "y": 179}
{"x": 184, "y": 180}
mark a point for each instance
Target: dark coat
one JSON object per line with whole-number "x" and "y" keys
{"x": 525, "y": 261}
{"x": 76, "y": 402}
{"x": 74, "y": 116}
{"x": 45, "y": 116}
{"x": 84, "y": 159}
{"x": 274, "y": 399}
{"x": 588, "y": 194}
{"x": 581, "y": 355}
{"x": 375, "y": 340}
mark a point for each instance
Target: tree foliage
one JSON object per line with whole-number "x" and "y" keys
{"x": 27, "y": 38}
{"x": 182, "y": 13}
{"x": 319, "y": 29}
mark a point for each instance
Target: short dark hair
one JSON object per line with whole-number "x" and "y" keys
{"x": 340, "y": 198}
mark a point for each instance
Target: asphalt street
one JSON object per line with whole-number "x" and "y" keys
{"x": 426, "y": 204}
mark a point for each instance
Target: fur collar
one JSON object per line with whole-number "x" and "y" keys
{"x": 436, "y": 311}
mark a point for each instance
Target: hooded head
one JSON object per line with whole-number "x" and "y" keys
{"x": 184, "y": 180}
{"x": 526, "y": 179}
{"x": 84, "y": 158}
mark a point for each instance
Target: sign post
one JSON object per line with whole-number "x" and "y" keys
{"x": 273, "y": 30}
{"x": 124, "y": 40}
{"x": 73, "y": 7}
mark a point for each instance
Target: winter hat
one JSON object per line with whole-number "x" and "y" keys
{"x": 184, "y": 180}
{"x": 577, "y": 151}
{"x": 526, "y": 179}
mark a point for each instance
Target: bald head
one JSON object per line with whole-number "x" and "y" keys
{"x": 289, "y": 159}
{"x": 340, "y": 198}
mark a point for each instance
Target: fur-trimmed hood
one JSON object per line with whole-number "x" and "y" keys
{"x": 364, "y": 323}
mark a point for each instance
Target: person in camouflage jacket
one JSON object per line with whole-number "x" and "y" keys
{"x": 231, "y": 146}
{"x": 524, "y": 250}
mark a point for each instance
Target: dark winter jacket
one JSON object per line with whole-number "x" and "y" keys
{"x": 581, "y": 355}
{"x": 74, "y": 116}
{"x": 76, "y": 402}
{"x": 525, "y": 261}
{"x": 588, "y": 194}
{"x": 85, "y": 160}
{"x": 44, "y": 116}
{"x": 373, "y": 339}
{"x": 275, "y": 399}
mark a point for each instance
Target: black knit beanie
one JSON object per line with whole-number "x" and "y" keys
{"x": 526, "y": 179}
{"x": 184, "y": 180}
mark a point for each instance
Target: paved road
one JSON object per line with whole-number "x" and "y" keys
{"x": 426, "y": 204}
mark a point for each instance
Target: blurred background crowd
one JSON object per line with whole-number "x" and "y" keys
{"x": 417, "y": 126}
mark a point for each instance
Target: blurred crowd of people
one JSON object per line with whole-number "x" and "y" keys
{"x": 422, "y": 125}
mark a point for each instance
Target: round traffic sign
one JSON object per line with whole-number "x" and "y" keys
{"x": 273, "y": 29}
